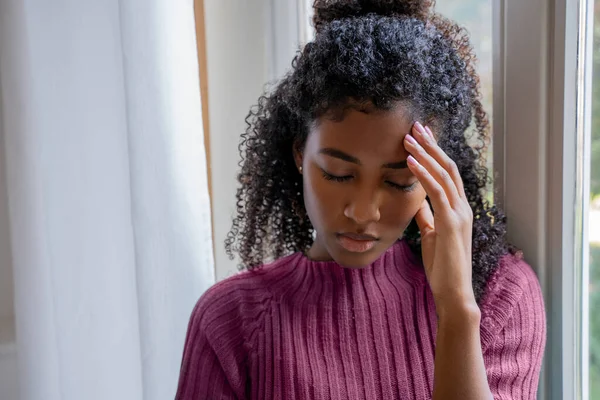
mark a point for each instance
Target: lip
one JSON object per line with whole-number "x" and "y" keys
{"x": 357, "y": 243}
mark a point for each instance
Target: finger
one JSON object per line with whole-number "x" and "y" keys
{"x": 432, "y": 187}
{"x": 434, "y": 168}
{"x": 425, "y": 219}
{"x": 430, "y": 144}
{"x": 426, "y": 140}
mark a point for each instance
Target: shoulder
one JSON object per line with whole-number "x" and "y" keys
{"x": 239, "y": 298}
{"x": 513, "y": 329}
{"x": 221, "y": 332}
{"x": 513, "y": 291}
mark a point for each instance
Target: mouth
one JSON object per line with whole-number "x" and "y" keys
{"x": 356, "y": 243}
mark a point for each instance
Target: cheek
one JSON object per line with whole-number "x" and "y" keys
{"x": 320, "y": 200}
{"x": 400, "y": 210}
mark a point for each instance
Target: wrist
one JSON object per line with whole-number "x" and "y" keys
{"x": 464, "y": 311}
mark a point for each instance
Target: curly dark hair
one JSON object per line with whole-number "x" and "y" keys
{"x": 366, "y": 52}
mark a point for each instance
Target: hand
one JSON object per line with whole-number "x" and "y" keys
{"x": 446, "y": 237}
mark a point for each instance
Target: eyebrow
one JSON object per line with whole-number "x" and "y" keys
{"x": 396, "y": 165}
{"x": 351, "y": 159}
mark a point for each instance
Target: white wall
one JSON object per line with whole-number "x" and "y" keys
{"x": 249, "y": 42}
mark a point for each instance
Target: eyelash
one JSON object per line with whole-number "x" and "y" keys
{"x": 406, "y": 189}
{"x": 335, "y": 178}
{"x": 401, "y": 188}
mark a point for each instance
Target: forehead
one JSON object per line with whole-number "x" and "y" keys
{"x": 375, "y": 135}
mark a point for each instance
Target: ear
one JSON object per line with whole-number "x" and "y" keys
{"x": 298, "y": 155}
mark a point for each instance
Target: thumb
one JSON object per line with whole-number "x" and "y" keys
{"x": 426, "y": 225}
{"x": 425, "y": 219}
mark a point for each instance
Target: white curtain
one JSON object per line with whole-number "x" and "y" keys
{"x": 109, "y": 208}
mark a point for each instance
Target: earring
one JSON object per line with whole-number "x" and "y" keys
{"x": 300, "y": 169}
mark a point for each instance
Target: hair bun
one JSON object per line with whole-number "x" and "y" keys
{"x": 326, "y": 11}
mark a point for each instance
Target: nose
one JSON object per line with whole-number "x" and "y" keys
{"x": 363, "y": 208}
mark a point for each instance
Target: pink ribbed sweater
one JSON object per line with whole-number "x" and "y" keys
{"x": 299, "y": 329}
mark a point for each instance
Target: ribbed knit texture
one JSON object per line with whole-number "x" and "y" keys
{"x": 300, "y": 329}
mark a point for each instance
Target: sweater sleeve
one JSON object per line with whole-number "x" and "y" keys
{"x": 214, "y": 359}
{"x": 513, "y": 357}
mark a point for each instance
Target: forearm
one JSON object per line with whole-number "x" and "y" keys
{"x": 459, "y": 368}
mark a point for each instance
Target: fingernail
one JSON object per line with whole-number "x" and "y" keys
{"x": 430, "y": 132}
{"x": 412, "y": 161}
{"x": 420, "y": 128}
{"x": 411, "y": 139}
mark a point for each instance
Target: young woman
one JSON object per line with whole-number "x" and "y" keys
{"x": 393, "y": 278}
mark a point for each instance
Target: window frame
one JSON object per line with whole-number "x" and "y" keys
{"x": 539, "y": 41}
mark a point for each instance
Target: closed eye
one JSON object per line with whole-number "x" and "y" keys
{"x": 346, "y": 178}
{"x": 336, "y": 178}
{"x": 403, "y": 188}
